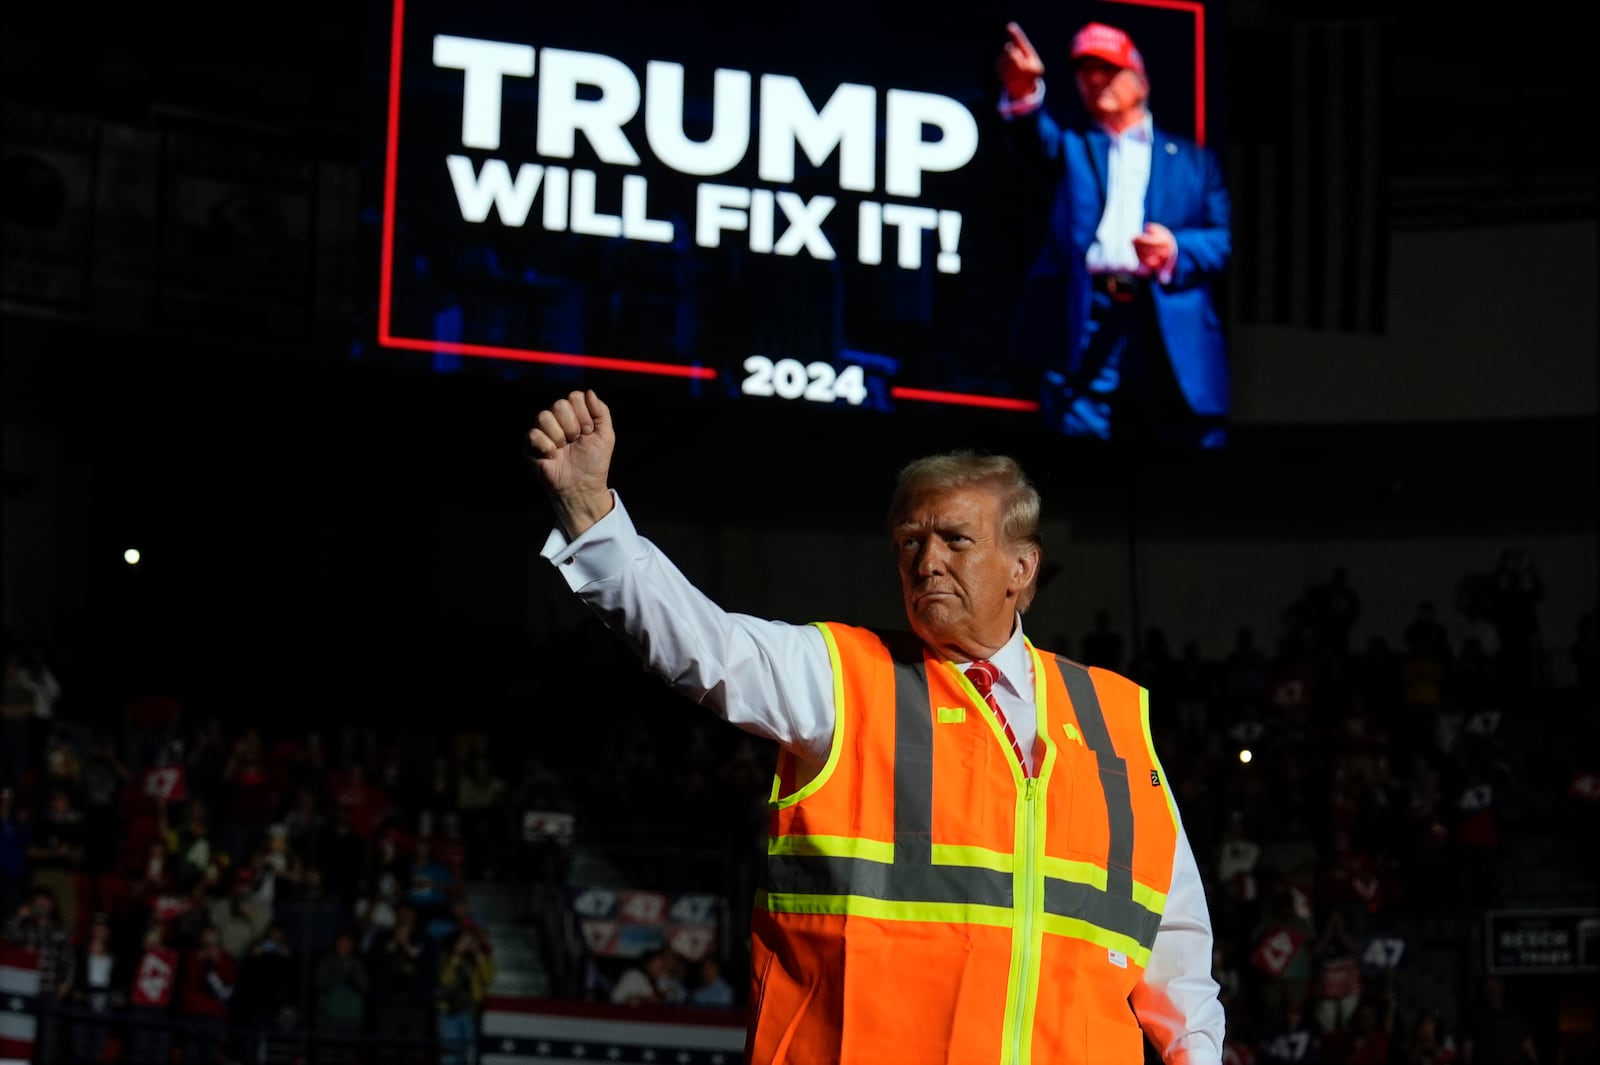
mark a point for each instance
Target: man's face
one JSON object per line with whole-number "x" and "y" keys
{"x": 958, "y": 575}
{"x": 1109, "y": 92}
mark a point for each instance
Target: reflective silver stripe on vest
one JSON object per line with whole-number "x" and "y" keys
{"x": 1114, "y": 907}
{"x": 914, "y": 878}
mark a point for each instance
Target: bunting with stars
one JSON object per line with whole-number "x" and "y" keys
{"x": 532, "y": 1031}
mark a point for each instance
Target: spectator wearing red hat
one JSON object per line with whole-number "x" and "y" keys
{"x": 1120, "y": 298}
{"x": 242, "y": 916}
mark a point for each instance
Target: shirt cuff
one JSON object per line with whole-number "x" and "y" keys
{"x": 602, "y": 550}
{"x": 1030, "y": 103}
{"x": 1194, "y": 1049}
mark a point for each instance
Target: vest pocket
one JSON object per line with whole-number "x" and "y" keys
{"x": 1113, "y": 1042}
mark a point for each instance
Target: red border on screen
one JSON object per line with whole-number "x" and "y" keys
{"x": 386, "y": 337}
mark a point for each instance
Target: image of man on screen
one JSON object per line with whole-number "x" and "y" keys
{"x": 1139, "y": 232}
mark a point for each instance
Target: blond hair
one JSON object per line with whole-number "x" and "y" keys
{"x": 1001, "y": 474}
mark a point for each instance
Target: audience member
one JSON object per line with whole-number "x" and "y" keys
{"x": 267, "y": 1004}
{"x": 98, "y": 991}
{"x": 206, "y": 765}
{"x": 711, "y": 988}
{"x": 428, "y": 883}
{"x": 16, "y": 841}
{"x": 252, "y": 796}
{"x": 1518, "y": 591}
{"x": 313, "y": 916}
{"x": 1291, "y": 1039}
{"x": 376, "y": 908}
{"x": 649, "y": 981}
{"x": 367, "y": 805}
{"x": 341, "y": 989}
{"x": 105, "y": 780}
{"x": 207, "y": 979}
{"x": 1369, "y": 1039}
{"x": 466, "y": 970}
{"x": 242, "y": 914}
{"x": 193, "y": 847}
{"x": 305, "y": 765}
{"x": 1336, "y": 990}
{"x": 1235, "y": 877}
{"x": 342, "y": 854}
{"x": 404, "y": 970}
{"x": 1103, "y": 645}
{"x": 479, "y": 793}
{"x": 1428, "y": 1044}
{"x": 1496, "y": 1030}
{"x": 36, "y": 928}
{"x": 151, "y": 998}
{"x": 151, "y": 719}
{"x": 1192, "y": 693}
{"x": 27, "y": 701}
{"x": 1336, "y": 607}
{"x": 1283, "y": 952}
{"x": 1426, "y": 636}
{"x": 55, "y": 854}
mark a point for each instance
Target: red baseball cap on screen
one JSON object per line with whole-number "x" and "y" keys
{"x": 1108, "y": 43}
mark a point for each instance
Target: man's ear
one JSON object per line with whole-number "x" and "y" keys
{"x": 1025, "y": 568}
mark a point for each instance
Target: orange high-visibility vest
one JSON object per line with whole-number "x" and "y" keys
{"x": 925, "y": 902}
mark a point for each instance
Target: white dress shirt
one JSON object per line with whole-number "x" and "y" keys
{"x": 1127, "y": 178}
{"x": 774, "y": 679}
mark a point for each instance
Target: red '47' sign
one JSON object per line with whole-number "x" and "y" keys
{"x": 1276, "y": 949}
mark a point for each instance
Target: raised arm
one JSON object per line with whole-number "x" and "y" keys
{"x": 1018, "y": 64}
{"x": 767, "y": 677}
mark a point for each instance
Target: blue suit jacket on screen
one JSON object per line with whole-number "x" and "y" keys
{"x": 1188, "y": 195}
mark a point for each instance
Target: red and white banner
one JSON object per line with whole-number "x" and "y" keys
{"x": 631, "y": 924}
{"x": 19, "y": 994}
{"x": 1277, "y": 949}
{"x": 166, "y": 783}
{"x": 152, "y": 983}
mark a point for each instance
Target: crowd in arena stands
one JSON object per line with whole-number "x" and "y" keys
{"x": 200, "y": 892}
{"x": 200, "y": 885}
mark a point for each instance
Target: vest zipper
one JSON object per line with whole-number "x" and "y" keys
{"x": 1025, "y": 991}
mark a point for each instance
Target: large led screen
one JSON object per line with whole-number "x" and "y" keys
{"x": 820, "y": 205}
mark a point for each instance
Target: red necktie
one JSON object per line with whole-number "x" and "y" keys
{"x": 983, "y": 674}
